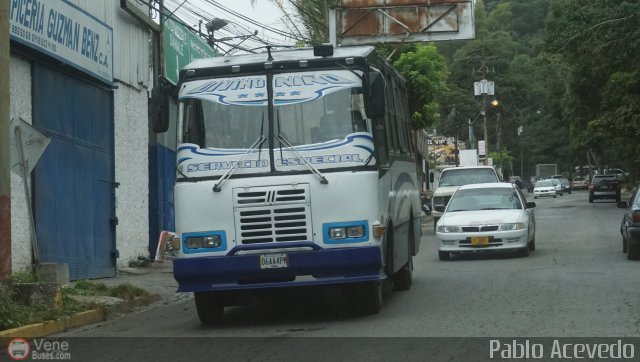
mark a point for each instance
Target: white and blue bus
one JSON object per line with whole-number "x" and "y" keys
{"x": 294, "y": 168}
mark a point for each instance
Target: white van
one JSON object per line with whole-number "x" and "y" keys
{"x": 454, "y": 177}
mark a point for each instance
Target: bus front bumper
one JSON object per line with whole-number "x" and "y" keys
{"x": 243, "y": 271}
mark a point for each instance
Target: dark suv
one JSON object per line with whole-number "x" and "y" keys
{"x": 604, "y": 187}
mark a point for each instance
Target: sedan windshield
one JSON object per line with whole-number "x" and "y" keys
{"x": 485, "y": 199}
{"x": 545, "y": 183}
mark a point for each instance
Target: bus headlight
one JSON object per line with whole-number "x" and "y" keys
{"x": 198, "y": 242}
{"x": 346, "y": 232}
{"x": 338, "y": 233}
{"x": 355, "y": 231}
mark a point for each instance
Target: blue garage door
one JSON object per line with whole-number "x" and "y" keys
{"x": 74, "y": 188}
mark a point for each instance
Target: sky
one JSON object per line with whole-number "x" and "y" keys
{"x": 264, "y": 12}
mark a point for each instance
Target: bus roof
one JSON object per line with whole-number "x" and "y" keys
{"x": 279, "y": 55}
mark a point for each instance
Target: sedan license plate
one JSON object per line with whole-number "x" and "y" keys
{"x": 273, "y": 261}
{"x": 480, "y": 240}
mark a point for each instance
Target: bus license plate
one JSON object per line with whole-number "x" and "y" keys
{"x": 273, "y": 261}
{"x": 480, "y": 240}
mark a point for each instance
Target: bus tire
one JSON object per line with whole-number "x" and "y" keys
{"x": 210, "y": 308}
{"x": 371, "y": 294}
{"x": 364, "y": 298}
{"x": 403, "y": 278}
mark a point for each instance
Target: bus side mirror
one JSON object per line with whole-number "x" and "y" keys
{"x": 159, "y": 109}
{"x": 374, "y": 95}
{"x": 431, "y": 177}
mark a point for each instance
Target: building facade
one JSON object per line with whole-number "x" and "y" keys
{"x": 80, "y": 75}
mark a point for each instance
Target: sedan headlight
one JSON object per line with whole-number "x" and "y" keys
{"x": 449, "y": 229}
{"x": 512, "y": 226}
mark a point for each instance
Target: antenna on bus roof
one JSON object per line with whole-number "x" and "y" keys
{"x": 269, "y": 58}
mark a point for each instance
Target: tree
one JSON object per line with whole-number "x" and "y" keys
{"x": 426, "y": 72}
{"x": 600, "y": 43}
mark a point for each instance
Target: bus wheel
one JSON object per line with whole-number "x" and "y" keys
{"x": 372, "y": 297}
{"x": 210, "y": 307}
{"x": 403, "y": 278}
{"x": 366, "y": 298}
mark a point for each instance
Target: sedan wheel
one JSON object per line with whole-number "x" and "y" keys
{"x": 443, "y": 255}
{"x": 624, "y": 245}
{"x": 532, "y": 244}
{"x": 632, "y": 251}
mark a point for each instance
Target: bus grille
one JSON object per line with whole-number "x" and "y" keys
{"x": 268, "y": 214}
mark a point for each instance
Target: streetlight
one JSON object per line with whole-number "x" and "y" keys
{"x": 213, "y": 25}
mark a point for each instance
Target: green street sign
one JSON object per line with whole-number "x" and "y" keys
{"x": 180, "y": 47}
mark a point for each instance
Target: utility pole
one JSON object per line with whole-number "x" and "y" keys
{"x": 484, "y": 88}
{"x": 5, "y": 159}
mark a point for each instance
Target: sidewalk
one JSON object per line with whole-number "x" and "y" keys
{"x": 156, "y": 278}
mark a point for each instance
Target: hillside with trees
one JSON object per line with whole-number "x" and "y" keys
{"x": 565, "y": 71}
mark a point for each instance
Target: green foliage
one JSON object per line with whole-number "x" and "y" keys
{"x": 564, "y": 70}
{"x": 503, "y": 158}
{"x": 599, "y": 41}
{"x": 25, "y": 276}
{"x": 426, "y": 71}
{"x": 127, "y": 291}
{"x": 14, "y": 314}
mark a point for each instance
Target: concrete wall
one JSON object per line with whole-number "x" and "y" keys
{"x": 20, "y": 100}
{"x": 132, "y": 172}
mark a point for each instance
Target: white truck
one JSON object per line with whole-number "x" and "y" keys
{"x": 453, "y": 177}
{"x": 546, "y": 170}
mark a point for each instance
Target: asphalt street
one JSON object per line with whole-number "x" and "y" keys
{"x": 577, "y": 283}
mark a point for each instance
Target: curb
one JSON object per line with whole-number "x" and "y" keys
{"x": 80, "y": 319}
{"x": 56, "y": 326}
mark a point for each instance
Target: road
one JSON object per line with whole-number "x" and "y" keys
{"x": 577, "y": 283}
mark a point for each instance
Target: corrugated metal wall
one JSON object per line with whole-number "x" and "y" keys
{"x": 131, "y": 60}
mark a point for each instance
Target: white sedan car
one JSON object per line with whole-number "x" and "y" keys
{"x": 544, "y": 188}
{"x": 482, "y": 217}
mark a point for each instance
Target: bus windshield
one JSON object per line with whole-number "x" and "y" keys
{"x": 309, "y": 107}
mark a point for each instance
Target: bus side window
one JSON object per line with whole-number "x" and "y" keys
{"x": 193, "y": 132}
{"x": 359, "y": 124}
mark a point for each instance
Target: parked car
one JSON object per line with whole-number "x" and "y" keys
{"x": 453, "y": 177}
{"x": 544, "y": 188}
{"x": 566, "y": 185}
{"x": 579, "y": 183}
{"x": 604, "y": 187}
{"x": 630, "y": 226}
{"x": 487, "y": 217}
{"x": 558, "y": 185}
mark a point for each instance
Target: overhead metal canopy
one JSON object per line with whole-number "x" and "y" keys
{"x": 357, "y": 22}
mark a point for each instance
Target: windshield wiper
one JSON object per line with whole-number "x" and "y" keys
{"x": 314, "y": 170}
{"x": 257, "y": 143}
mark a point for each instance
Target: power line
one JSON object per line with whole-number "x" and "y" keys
{"x": 196, "y": 14}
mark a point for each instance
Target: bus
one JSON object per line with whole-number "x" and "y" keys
{"x": 295, "y": 168}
